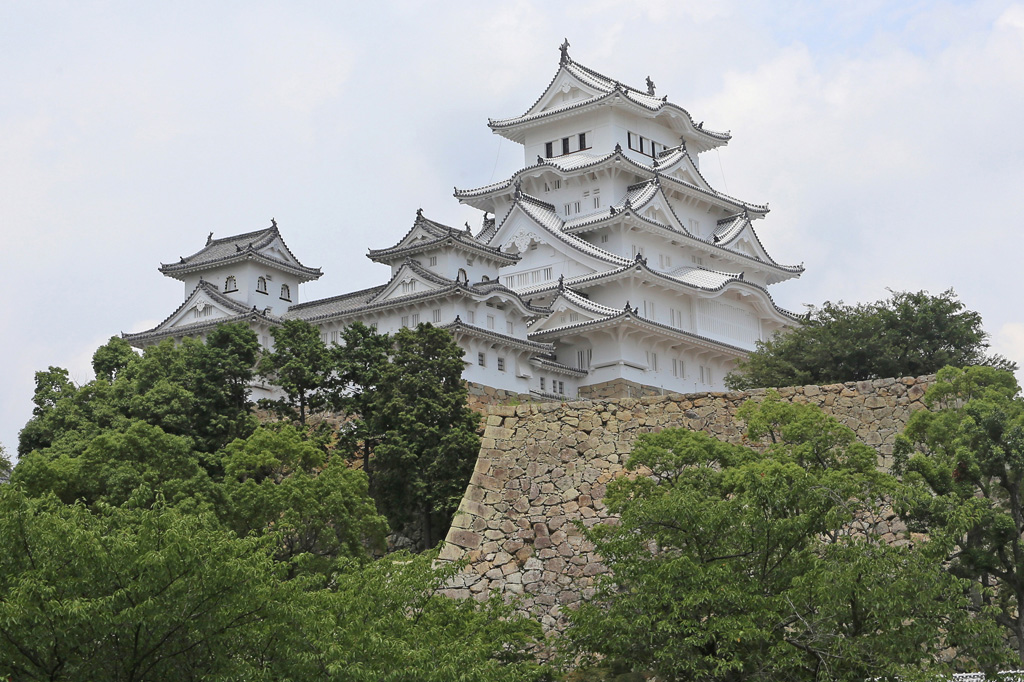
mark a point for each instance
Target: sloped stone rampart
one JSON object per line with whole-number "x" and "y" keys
{"x": 543, "y": 467}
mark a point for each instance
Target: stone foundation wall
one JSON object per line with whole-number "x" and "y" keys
{"x": 544, "y": 466}
{"x": 481, "y": 397}
{"x": 619, "y": 388}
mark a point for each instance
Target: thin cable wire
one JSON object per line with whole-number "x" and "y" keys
{"x": 722, "y": 170}
{"x": 497, "y": 156}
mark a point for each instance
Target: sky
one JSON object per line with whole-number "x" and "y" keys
{"x": 886, "y": 136}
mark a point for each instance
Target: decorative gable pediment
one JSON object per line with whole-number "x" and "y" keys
{"x": 564, "y": 89}
{"x": 406, "y": 282}
{"x": 569, "y": 308}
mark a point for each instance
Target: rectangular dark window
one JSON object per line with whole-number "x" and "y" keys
{"x": 549, "y": 150}
{"x": 583, "y": 140}
{"x": 565, "y": 145}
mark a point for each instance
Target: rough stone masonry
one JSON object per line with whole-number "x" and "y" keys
{"x": 544, "y": 466}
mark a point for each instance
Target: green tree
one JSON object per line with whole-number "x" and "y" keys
{"x": 300, "y": 365}
{"x": 155, "y": 419}
{"x": 429, "y": 442}
{"x": 732, "y": 564}
{"x": 390, "y": 620}
{"x": 150, "y": 594}
{"x": 964, "y": 458}
{"x": 315, "y": 507}
{"x": 112, "y": 357}
{"x": 908, "y": 334}
{"x": 132, "y": 594}
{"x": 5, "y": 465}
{"x": 361, "y": 360}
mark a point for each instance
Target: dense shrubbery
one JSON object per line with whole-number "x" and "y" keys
{"x": 736, "y": 564}
{"x": 908, "y": 334}
{"x": 154, "y": 531}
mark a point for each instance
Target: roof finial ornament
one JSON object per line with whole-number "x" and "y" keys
{"x": 627, "y": 205}
{"x": 209, "y": 238}
{"x": 237, "y": 248}
{"x": 419, "y": 212}
{"x": 540, "y": 159}
{"x": 561, "y": 282}
{"x": 564, "y": 49}
{"x": 627, "y": 306}
{"x": 519, "y": 189}
{"x": 716, "y": 238}
{"x": 650, "y": 86}
{"x": 611, "y": 209}
{"x": 741, "y": 275}
{"x": 654, "y": 163}
{"x": 273, "y": 224}
{"x": 618, "y": 148}
{"x": 181, "y": 259}
{"x": 701, "y": 125}
{"x": 682, "y": 143}
{"x": 468, "y": 228}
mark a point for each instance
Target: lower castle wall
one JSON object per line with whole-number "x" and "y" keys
{"x": 544, "y": 466}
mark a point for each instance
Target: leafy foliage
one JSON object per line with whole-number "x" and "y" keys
{"x": 361, "y": 362}
{"x": 154, "y": 594}
{"x": 5, "y": 465}
{"x": 300, "y": 365}
{"x": 390, "y": 621}
{"x": 908, "y": 334}
{"x": 732, "y": 564}
{"x": 965, "y": 460}
{"x": 428, "y": 442}
{"x": 129, "y": 594}
{"x": 315, "y": 508}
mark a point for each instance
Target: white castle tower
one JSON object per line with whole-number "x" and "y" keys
{"x": 607, "y": 266}
{"x": 653, "y": 277}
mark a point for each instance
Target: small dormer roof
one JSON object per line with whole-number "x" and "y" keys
{"x": 265, "y": 246}
{"x": 209, "y": 294}
{"x": 426, "y": 234}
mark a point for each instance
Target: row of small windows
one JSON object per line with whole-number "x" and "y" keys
{"x": 590, "y": 198}
{"x": 523, "y": 279}
{"x": 557, "y": 386}
{"x": 644, "y": 145}
{"x": 481, "y": 359}
{"x": 231, "y": 284}
{"x": 679, "y": 368}
{"x": 567, "y": 145}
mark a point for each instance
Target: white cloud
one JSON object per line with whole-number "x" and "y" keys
{"x": 885, "y": 136}
{"x": 1009, "y": 342}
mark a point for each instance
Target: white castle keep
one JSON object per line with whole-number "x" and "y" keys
{"x": 607, "y": 261}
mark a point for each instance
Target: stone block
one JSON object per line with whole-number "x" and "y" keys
{"x": 464, "y": 538}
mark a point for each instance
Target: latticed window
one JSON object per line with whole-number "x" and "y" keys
{"x": 261, "y": 285}
{"x": 286, "y": 293}
{"x": 230, "y": 284}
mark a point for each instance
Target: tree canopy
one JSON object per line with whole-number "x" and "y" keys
{"x": 154, "y": 531}
{"x": 428, "y": 439}
{"x": 152, "y": 594}
{"x": 964, "y": 458}
{"x": 908, "y": 334}
{"x": 734, "y": 564}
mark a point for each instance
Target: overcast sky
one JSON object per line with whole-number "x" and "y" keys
{"x": 886, "y": 136}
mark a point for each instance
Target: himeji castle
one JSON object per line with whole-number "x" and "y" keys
{"x": 606, "y": 266}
